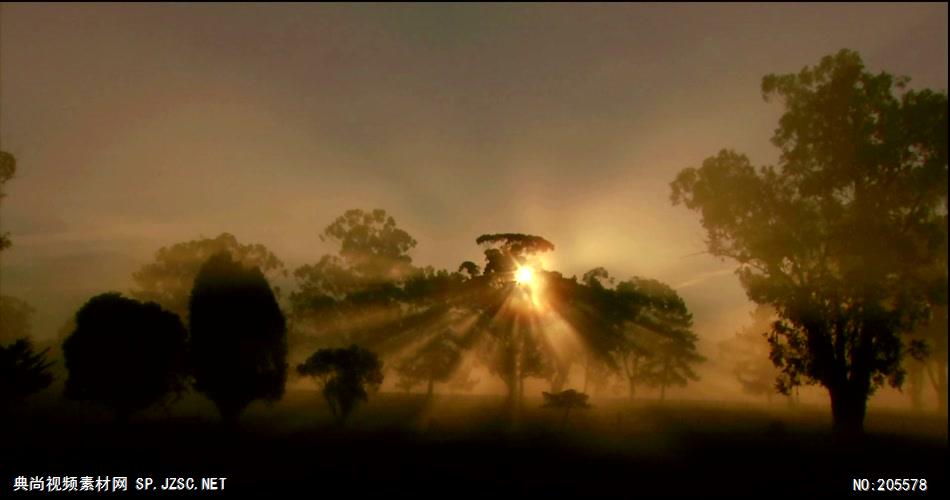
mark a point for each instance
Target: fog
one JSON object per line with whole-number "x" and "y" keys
{"x": 140, "y": 126}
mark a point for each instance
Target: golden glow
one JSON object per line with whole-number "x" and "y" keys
{"x": 524, "y": 276}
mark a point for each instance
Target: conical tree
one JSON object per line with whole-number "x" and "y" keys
{"x": 238, "y": 336}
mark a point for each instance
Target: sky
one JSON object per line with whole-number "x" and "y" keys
{"x": 137, "y": 126}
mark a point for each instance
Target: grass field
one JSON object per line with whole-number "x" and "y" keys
{"x": 404, "y": 446}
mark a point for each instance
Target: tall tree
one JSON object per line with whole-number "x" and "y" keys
{"x": 238, "y": 336}
{"x": 435, "y": 361}
{"x": 24, "y": 371}
{"x": 347, "y": 375}
{"x": 659, "y": 334}
{"x": 7, "y": 171}
{"x": 671, "y": 359}
{"x": 927, "y": 363}
{"x": 124, "y": 354}
{"x": 169, "y": 279}
{"x": 358, "y": 288}
{"x": 514, "y": 348}
{"x": 836, "y": 236}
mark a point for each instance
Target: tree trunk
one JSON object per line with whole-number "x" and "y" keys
{"x": 662, "y": 392}
{"x": 512, "y": 386}
{"x": 586, "y": 375}
{"x": 429, "y": 391}
{"x": 848, "y": 409}
{"x": 633, "y": 387}
{"x": 915, "y": 384}
{"x": 939, "y": 381}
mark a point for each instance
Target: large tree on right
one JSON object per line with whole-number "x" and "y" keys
{"x": 846, "y": 237}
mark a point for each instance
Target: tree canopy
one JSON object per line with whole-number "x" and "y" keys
{"x": 425, "y": 320}
{"x": 366, "y": 277}
{"x": 347, "y": 376}
{"x": 124, "y": 354}
{"x": 837, "y": 237}
{"x": 238, "y": 349}
{"x": 169, "y": 279}
{"x": 435, "y": 361}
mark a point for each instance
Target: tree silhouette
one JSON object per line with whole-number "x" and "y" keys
{"x": 124, "y": 354}
{"x": 7, "y": 171}
{"x": 638, "y": 328}
{"x": 513, "y": 348}
{"x": 515, "y": 354}
{"x": 670, "y": 362}
{"x": 404, "y": 313}
{"x": 633, "y": 353}
{"x": 928, "y": 359}
{"x": 461, "y": 379}
{"x": 506, "y": 251}
{"x": 169, "y": 279}
{"x": 344, "y": 297}
{"x": 835, "y": 237}
{"x": 659, "y": 333}
{"x": 346, "y": 376}
{"x": 567, "y": 401}
{"x": 435, "y": 361}
{"x": 238, "y": 336}
{"x": 24, "y": 372}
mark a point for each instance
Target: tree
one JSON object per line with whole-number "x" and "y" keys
{"x": 169, "y": 280}
{"x": 671, "y": 360}
{"x": 124, "y": 354}
{"x": 839, "y": 238}
{"x": 639, "y": 328}
{"x": 344, "y": 297}
{"x": 7, "y": 170}
{"x": 661, "y": 329}
{"x": 566, "y": 400}
{"x": 238, "y": 336}
{"x": 506, "y": 251}
{"x": 24, "y": 371}
{"x": 462, "y": 379}
{"x": 435, "y": 361}
{"x": 346, "y": 376}
{"x": 516, "y": 348}
{"x": 747, "y": 355}
{"x": 515, "y": 354}
{"x": 371, "y": 245}
{"x": 633, "y": 352}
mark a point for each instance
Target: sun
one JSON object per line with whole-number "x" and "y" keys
{"x": 524, "y": 275}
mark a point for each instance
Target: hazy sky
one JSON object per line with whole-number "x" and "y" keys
{"x": 138, "y": 126}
